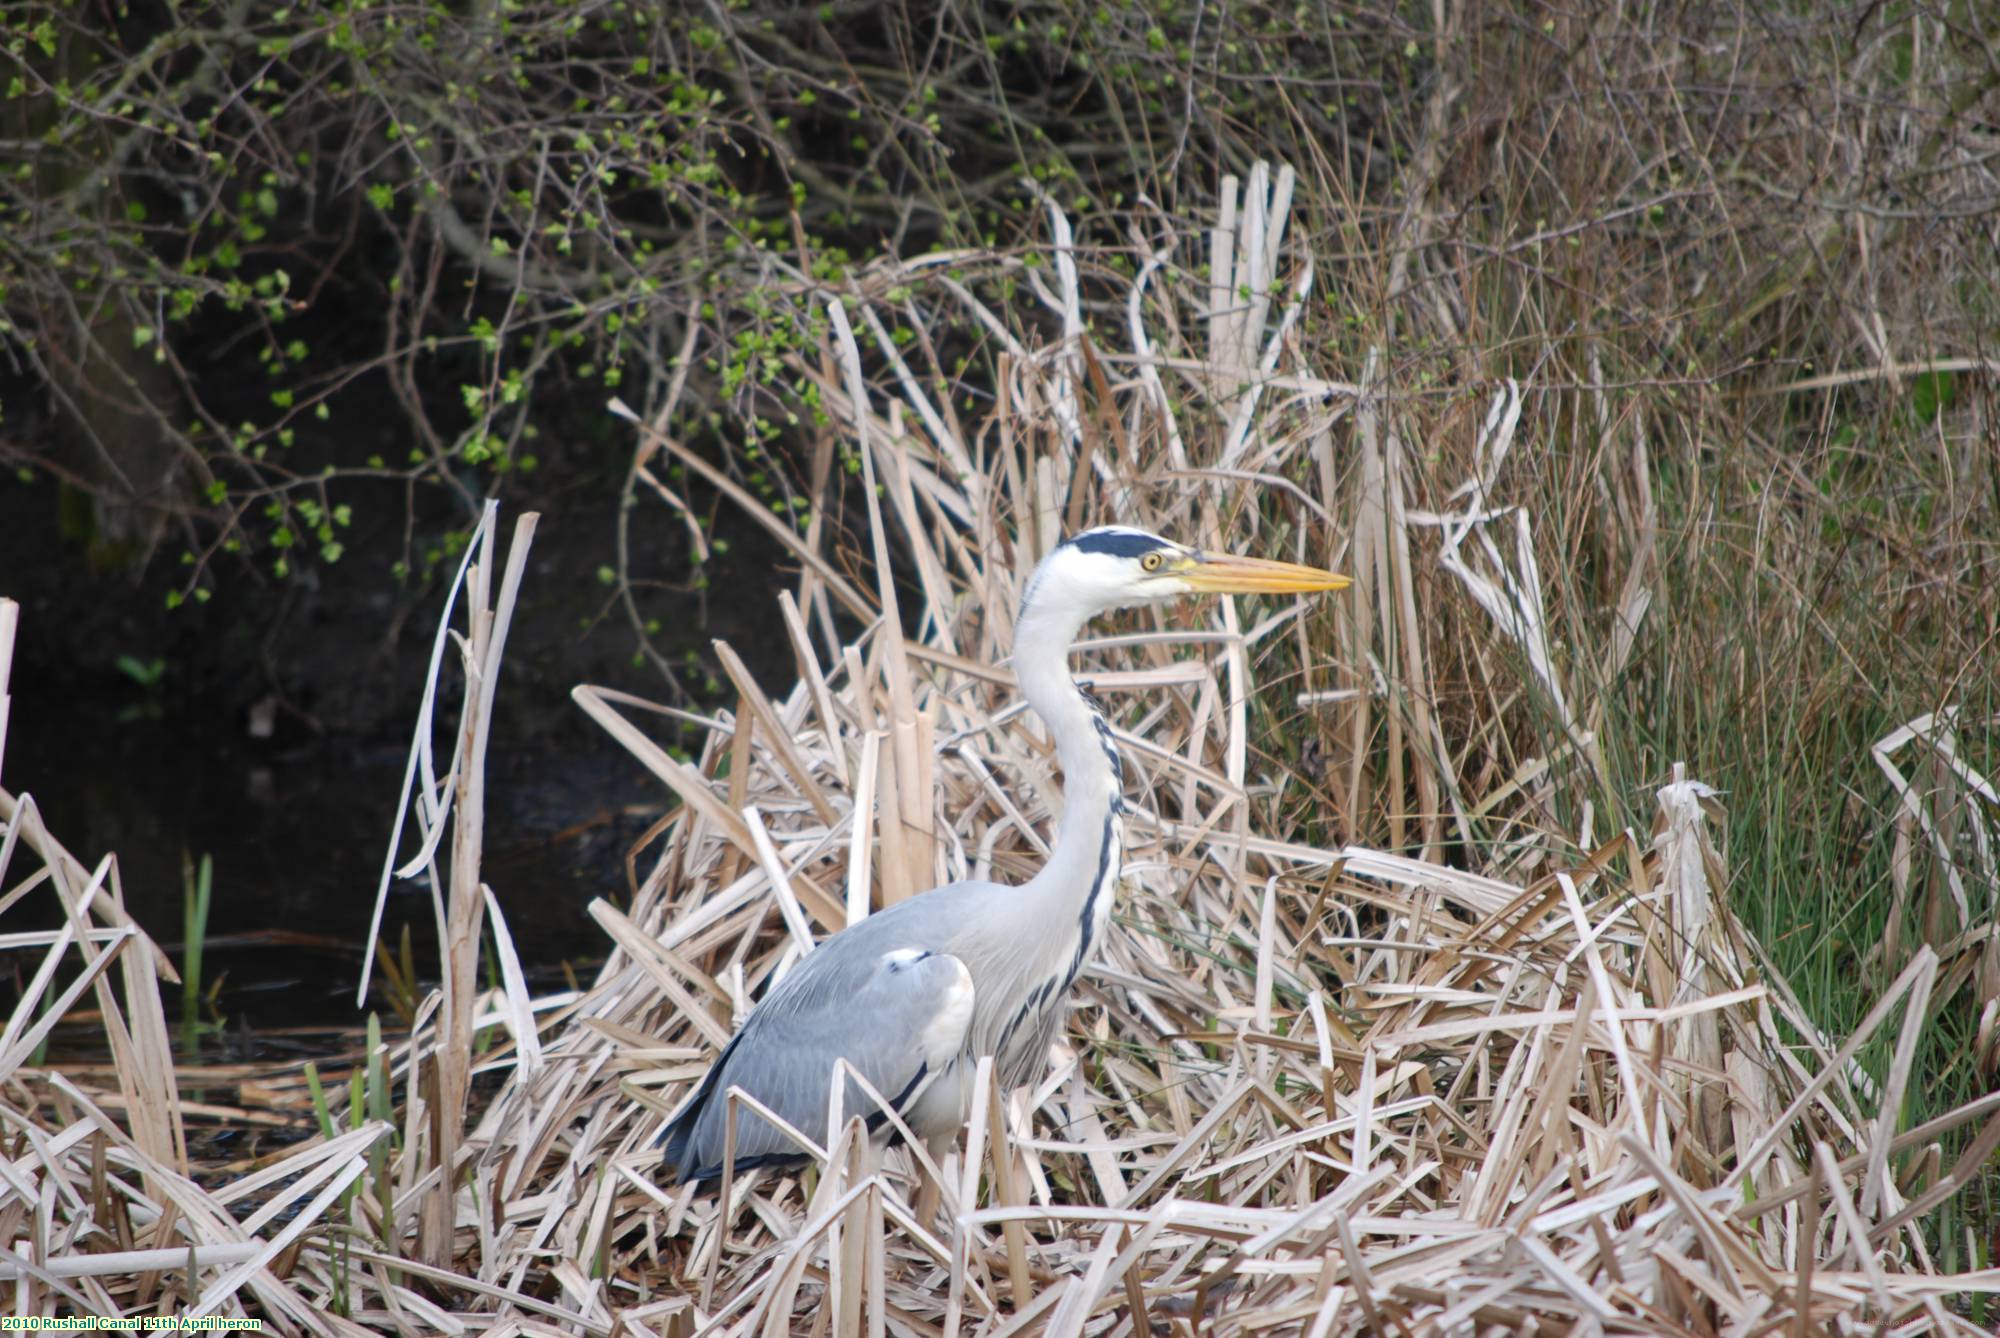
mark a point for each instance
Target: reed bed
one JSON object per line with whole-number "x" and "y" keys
{"x": 1527, "y": 1076}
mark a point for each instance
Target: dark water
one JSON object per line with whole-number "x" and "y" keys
{"x": 297, "y": 818}
{"x": 297, "y": 838}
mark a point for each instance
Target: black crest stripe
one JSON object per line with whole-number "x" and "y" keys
{"x": 1117, "y": 543}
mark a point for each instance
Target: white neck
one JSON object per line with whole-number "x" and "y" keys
{"x": 1090, "y": 777}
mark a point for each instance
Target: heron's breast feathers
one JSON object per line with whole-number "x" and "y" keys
{"x": 945, "y": 1036}
{"x": 936, "y": 991}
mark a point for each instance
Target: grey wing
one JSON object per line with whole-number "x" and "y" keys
{"x": 897, "y": 1017}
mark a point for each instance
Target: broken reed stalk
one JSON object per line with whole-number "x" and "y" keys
{"x": 10, "y": 617}
{"x": 481, "y": 650}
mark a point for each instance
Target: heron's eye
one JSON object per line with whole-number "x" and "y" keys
{"x": 1152, "y": 560}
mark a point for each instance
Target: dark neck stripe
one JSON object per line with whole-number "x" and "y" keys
{"x": 1107, "y": 871}
{"x": 1109, "y": 746}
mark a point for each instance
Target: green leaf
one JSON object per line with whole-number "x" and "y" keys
{"x": 146, "y": 673}
{"x": 1932, "y": 393}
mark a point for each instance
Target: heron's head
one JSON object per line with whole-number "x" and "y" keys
{"x": 1113, "y": 567}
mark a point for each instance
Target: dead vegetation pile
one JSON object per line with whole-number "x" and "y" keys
{"x": 1539, "y": 1077}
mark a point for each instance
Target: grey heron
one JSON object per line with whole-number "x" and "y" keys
{"x": 913, "y": 995}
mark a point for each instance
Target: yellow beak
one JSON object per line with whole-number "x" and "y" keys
{"x": 1226, "y": 574}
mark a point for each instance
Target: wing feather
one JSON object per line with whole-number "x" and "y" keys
{"x": 898, "y": 1017}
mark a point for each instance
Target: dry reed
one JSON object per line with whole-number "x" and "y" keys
{"x": 1307, "y": 1088}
